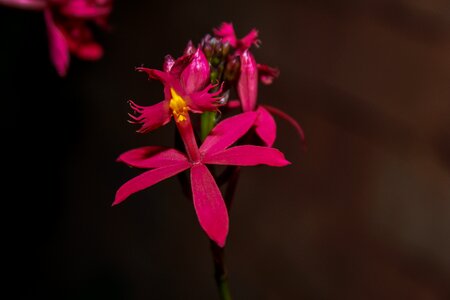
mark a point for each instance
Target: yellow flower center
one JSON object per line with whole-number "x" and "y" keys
{"x": 178, "y": 106}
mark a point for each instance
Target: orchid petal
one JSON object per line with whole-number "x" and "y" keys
{"x": 155, "y": 74}
{"x": 169, "y": 61}
{"x": 248, "y": 82}
{"x": 203, "y": 100}
{"x": 147, "y": 179}
{"x": 152, "y": 157}
{"x": 85, "y": 9}
{"x": 250, "y": 39}
{"x": 227, "y": 132}
{"x": 59, "y": 51}
{"x": 190, "y": 48}
{"x": 196, "y": 75}
{"x": 233, "y": 104}
{"x": 226, "y": 32}
{"x": 248, "y": 155}
{"x": 209, "y": 204}
{"x": 267, "y": 74}
{"x": 88, "y": 51}
{"x": 180, "y": 64}
{"x": 150, "y": 117}
{"x": 25, "y": 4}
{"x": 287, "y": 118}
{"x": 265, "y": 126}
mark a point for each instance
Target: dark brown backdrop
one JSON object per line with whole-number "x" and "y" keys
{"x": 363, "y": 214}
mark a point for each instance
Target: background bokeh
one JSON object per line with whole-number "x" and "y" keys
{"x": 364, "y": 213}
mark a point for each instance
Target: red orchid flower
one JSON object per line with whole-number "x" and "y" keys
{"x": 247, "y": 88}
{"x": 68, "y": 26}
{"x": 207, "y": 198}
{"x": 186, "y": 88}
{"x": 226, "y": 33}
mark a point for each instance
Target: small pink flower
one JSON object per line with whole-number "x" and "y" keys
{"x": 247, "y": 88}
{"x": 68, "y": 26}
{"x": 186, "y": 88}
{"x": 208, "y": 202}
{"x": 226, "y": 32}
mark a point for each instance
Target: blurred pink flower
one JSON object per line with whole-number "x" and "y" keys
{"x": 187, "y": 77}
{"x": 68, "y": 26}
{"x": 247, "y": 87}
{"x": 207, "y": 198}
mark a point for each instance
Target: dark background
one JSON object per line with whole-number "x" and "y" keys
{"x": 363, "y": 214}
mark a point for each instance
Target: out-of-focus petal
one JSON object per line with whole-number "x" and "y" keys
{"x": 196, "y": 75}
{"x": 169, "y": 61}
{"x": 288, "y": 118}
{"x": 248, "y": 40}
{"x": 248, "y": 155}
{"x": 248, "y": 82}
{"x": 209, "y": 205}
{"x": 267, "y": 74}
{"x": 226, "y": 32}
{"x": 227, "y": 132}
{"x": 190, "y": 48}
{"x": 147, "y": 179}
{"x": 152, "y": 157}
{"x": 25, "y": 4}
{"x": 59, "y": 51}
{"x": 150, "y": 117}
{"x": 265, "y": 126}
{"x": 88, "y": 51}
{"x": 86, "y": 9}
{"x": 233, "y": 104}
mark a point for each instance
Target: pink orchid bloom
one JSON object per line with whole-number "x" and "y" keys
{"x": 247, "y": 87}
{"x": 207, "y": 198}
{"x": 226, "y": 33}
{"x": 68, "y": 26}
{"x": 186, "y": 88}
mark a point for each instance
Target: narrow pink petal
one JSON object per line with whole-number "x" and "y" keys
{"x": 265, "y": 126}
{"x": 209, "y": 205}
{"x": 25, "y": 4}
{"x": 147, "y": 179}
{"x": 155, "y": 74}
{"x": 250, "y": 39}
{"x": 248, "y": 155}
{"x": 59, "y": 51}
{"x": 227, "y": 132}
{"x": 226, "y": 32}
{"x": 196, "y": 75}
{"x": 152, "y": 157}
{"x": 267, "y": 74}
{"x": 287, "y": 118}
{"x": 150, "y": 117}
{"x": 248, "y": 82}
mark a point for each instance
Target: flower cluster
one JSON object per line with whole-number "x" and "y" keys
{"x": 198, "y": 84}
{"x": 69, "y": 27}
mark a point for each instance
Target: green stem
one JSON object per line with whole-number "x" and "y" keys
{"x": 208, "y": 121}
{"x": 220, "y": 272}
